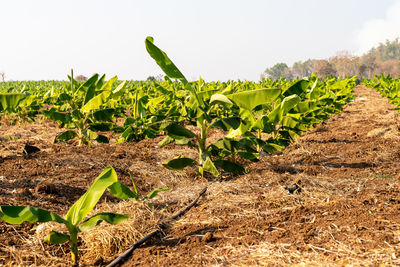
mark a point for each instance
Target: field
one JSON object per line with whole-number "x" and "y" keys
{"x": 299, "y": 171}
{"x": 347, "y": 210}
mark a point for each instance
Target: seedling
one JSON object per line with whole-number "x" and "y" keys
{"x": 80, "y": 209}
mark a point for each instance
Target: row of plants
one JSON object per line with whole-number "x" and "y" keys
{"x": 74, "y": 219}
{"x": 388, "y": 86}
{"x": 252, "y": 117}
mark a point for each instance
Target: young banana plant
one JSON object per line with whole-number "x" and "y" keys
{"x": 86, "y": 111}
{"x": 80, "y": 209}
{"x": 202, "y": 107}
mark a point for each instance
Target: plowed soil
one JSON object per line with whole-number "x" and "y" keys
{"x": 331, "y": 198}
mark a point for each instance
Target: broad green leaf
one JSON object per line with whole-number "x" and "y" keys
{"x": 111, "y": 218}
{"x": 104, "y": 114}
{"x": 179, "y": 163}
{"x": 209, "y": 166}
{"x": 101, "y": 126}
{"x": 108, "y": 85}
{"x": 87, "y": 201}
{"x": 102, "y": 139}
{"x": 178, "y": 130}
{"x": 119, "y": 91}
{"x": 169, "y": 67}
{"x": 56, "y": 238}
{"x": 227, "y": 123}
{"x": 230, "y": 166}
{"x": 249, "y": 156}
{"x": 281, "y": 110}
{"x": 20, "y": 214}
{"x": 88, "y": 85}
{"x": 299, "y": 88}
{"x": 63, "y": 97}
{"x": 96, "y": 102}
{"x": 90, "y": 134}
{"x": 242, "y": 129}
{"x": 220, "y": 99}
{"x": 289, "y": 102}
{"x": 163, "y": 60}
{"x": 65, "y": 136}
{"x": 100, "y": 82}
{"x": 167, "y": 140}
{"x": 272, "y": 147}
{"x": 59, "y": 117}
{"x": 184, "y": 141}
{"x": 9, "y": 101}
{"x": 250, "y": 99}
{"x": 76, "y": 114}
{"x": 154, "y": 193}
{"x": 121, "y": 191}
{"x": 90, "y": 93}
{"x": 315, "y": 91}
{"x": 125, "y": 135}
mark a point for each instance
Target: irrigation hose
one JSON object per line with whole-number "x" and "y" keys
{"x": 126, "y": 255}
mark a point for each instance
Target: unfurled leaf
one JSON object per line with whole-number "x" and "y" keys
{"x": 121, "y": 191}
{"x": 178, "y": 130}
{"x": 230, "y": 166}
{"x": 20, "y": 214}
{"x": 96, "y": 102}
{"x": 87, "y": 201}
{"x": 179, "y": 163}
{"x": 167, "y": 140}
{"x": 250, "y": 99}
{"x": 111, "y": 218}
{"x": 154, "y": 193}
{"x": 57, "y": 238}
{"x": 220, "y": 99}
{"x": 163, "y": 60}
{"x": 65, "y": 136}
{"x": 209, "y": 166}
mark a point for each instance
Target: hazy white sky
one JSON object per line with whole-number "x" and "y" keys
{"x": 216, "y": 39}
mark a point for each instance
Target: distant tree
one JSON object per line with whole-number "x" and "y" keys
{"x": 367, "y": 64}
{"x": 279, "y": 70}
{"x": 302, "y": 69}
{"x": 151, "y": 78}
{"x": 389, "y": 50}
{"x": 344, "y": 63}
{"x": 3, "y": 76}
{"x": 391, "y": 67}
{"x": 157, "y": 78}
{"x": 323, "y": 68}
{"x": 81, "y": 78}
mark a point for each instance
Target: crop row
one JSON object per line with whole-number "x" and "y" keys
{"x": 255, "y": 117}
{"x": 252, "y": 117}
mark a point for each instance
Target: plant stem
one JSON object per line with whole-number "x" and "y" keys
{"x": 73, "y": 242}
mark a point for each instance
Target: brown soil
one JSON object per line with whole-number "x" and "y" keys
{"x": 347, "y": 210}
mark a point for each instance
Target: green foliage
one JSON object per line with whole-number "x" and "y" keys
{"x": 85, "y": 109}
{"x": 73, "y": 220}
{"x": 279, "y": 70}
{"x": 245, "y": 111}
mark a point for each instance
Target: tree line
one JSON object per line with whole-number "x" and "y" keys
{"x": 385, "y": 58}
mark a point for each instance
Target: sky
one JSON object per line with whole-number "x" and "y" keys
{"x": 215, "y": 39}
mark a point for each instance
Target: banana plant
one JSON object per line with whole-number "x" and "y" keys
{"x": 9, "y": 102}
{"x": 84, "y": 109}
{"x": 74, "y": 219}
{"x": 204, "y": 106}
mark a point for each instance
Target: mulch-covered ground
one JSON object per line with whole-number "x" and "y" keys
{"x": 345, "y": 208}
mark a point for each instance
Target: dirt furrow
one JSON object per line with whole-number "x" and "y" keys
{"x": 348, "y": 210}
